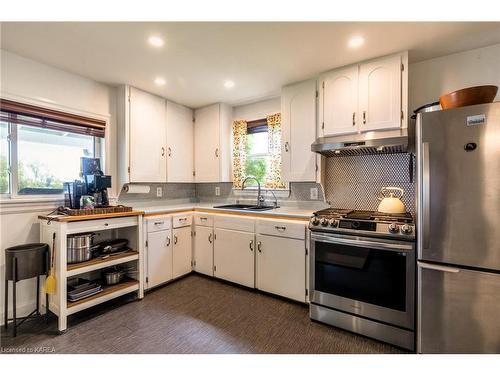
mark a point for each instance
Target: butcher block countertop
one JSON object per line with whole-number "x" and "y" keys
{"x": 71, "y": 218}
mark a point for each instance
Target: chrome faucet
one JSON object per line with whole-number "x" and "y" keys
{"x": 260, "y": 198}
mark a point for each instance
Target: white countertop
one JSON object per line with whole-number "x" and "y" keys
{"x": 292, "y": 212}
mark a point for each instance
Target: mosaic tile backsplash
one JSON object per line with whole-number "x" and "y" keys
{"x": 355, "y": 181}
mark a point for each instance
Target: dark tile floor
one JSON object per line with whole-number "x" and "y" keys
{"x": 192, "y": 315}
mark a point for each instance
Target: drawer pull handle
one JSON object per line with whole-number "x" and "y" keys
{"x": 259, "y": 246}
{"x": 203, "y": 219}
{"x": 168, "y": 241}
{"x": 183, "y": 219}
{"x": 158, "y": 222}
{"x": 251, "y": 245}
{"x": 280, "y": 227}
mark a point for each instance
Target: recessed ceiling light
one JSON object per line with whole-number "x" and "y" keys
{"x": 356, "y": 41}
{"x": 160, "y": 81}
{"x": 156, "y": 41}
{"x": 228, "y": 84}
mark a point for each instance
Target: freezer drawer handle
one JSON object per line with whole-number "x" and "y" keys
{"x": 439, "y": 268}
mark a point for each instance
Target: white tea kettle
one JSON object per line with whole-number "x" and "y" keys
{"x": 389, "y": 202}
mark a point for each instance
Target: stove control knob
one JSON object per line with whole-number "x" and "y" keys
{"x": 314, "y": 221}
{"x": 333, "y": 222}
{"x": 393, "y": 228}
{"x": 406, "y": 229}
{"x": 324, "y": 222}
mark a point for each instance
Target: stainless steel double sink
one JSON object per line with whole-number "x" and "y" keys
{"x": 245, "y": 207}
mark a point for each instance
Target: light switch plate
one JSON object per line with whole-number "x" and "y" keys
{"x": 217, "y": 190}
{"x": 314, "y": 193}
{"x": 159, "y": 191}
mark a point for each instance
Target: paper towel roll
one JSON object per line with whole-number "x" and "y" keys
{"x": 137, "y": 189}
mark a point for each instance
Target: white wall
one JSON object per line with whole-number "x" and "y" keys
{"x": 432, "y": 78}
{"x": 257, "y": 110}
{"x": 36, "y": 83}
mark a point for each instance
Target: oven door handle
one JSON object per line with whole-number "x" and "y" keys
{"x": 377, "y": 245}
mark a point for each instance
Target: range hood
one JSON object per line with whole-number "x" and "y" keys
{"x": 366, "y": 143}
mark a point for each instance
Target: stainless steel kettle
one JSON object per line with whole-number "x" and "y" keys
{"x": 389, "y": 202}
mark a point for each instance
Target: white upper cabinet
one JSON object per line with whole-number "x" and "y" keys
{"x": 338, "y": 101}
{"x": 298, "y": 108}
{"x": 380, "y": 94}
{"x": 147, "y": 156}
{"x": 212, "y": 144}
{"x": 180, "y": 134}
{"x": 371, "y": 95}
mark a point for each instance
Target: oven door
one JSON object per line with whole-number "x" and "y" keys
{"x": 372, "y": 278}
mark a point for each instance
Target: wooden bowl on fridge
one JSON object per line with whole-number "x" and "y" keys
{"x": 468, "y": 96}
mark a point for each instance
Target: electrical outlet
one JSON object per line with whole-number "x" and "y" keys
{"x": 314, "y": 193}
{"x": 217, "y": 190}
{"x": 159, "y": 191}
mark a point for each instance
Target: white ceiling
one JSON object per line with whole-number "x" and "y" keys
{"x": 259, "y": 57}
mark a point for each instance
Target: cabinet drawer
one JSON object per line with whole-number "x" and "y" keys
{"x": 102, "y": 224}
{"x": 157, "y": 223}
{"x": 204, "y": 220}
{"x": 233, "y": 222}
{"x": 182, "y": 221}
{"x": 282, "y": 228}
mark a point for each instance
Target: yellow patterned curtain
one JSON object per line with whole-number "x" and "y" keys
{"x": 273, "y": 178}
{"x": 239, "y": 152}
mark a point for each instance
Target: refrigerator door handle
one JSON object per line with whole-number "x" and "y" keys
{"x": 426, "y": 194}
{"x": 436, "y": 267}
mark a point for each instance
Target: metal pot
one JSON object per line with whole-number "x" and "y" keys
{"x": 114, "y": 275}
{"x": 430, "y": 107}
{"x": 79, "y": 247}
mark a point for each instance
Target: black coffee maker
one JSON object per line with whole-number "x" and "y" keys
{"x": 95, "y": 183}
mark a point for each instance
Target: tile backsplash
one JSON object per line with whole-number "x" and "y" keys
{"x": 355, "y": 181}
{"x": 205, "y": 192}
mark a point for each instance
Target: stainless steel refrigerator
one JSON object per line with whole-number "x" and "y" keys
{"x": 458, "y": 168}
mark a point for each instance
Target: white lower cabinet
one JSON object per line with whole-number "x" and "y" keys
{"x": 234, "y": 258}
{"x": 203, "y": 250}
{"x": 159, "y": 258}
{"x": 182, "y": 251}
{"x": 281, "y": 266}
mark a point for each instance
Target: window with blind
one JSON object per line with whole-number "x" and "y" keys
{"x": 41, "y": 148}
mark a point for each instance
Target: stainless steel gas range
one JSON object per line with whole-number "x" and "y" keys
{"x": 362, "y": 273}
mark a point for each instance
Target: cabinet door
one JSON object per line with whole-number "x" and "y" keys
{"x": 339, "y": 101}
{"x": 159, "y": 260}
{"x": 182, "y": 254}
{"x": 180, "y": 133}
{"x": 298, "y": 107}
{"x": 234, "y": 258}
{"x": 204, "y": 250}
{"x": 281, "y": 266}
{"x": 147, "y": 137}
{"x": 206, "y": 144}
{"x": 380, "y": 94}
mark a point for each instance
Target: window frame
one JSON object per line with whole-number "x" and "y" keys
{"x": 255, "y": 126}
{"x": 13, "y": 168}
